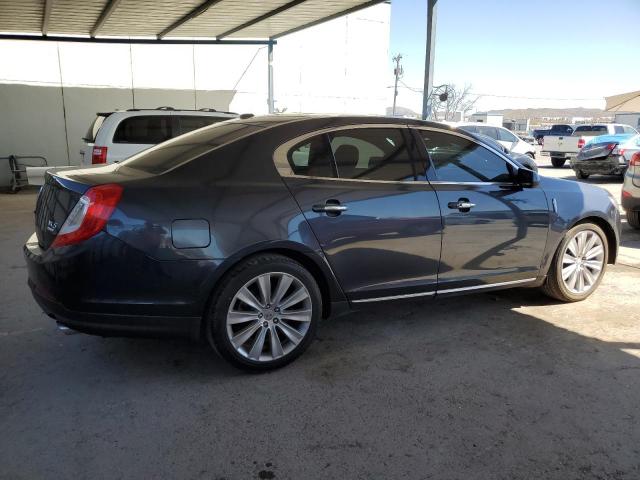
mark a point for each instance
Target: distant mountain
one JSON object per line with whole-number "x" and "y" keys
{"x": 553, "y": 113}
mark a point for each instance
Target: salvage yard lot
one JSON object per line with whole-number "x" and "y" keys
{"x": 499, "y": 385}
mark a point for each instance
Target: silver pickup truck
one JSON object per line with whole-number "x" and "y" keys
{"x": 564, "y": 147}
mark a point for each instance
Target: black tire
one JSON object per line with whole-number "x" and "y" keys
{"x": 554, "y": 286}
{"x": 633, "y": 219}
{"x": 558, "y": 162}
{"x": 532, "y": 155}
{"x": 234, "y": 281}
{"x": 581, "y": 175}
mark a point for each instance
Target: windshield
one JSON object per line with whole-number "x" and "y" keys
{"x": 608, "y": 139}
{"x": 173, "y": 153}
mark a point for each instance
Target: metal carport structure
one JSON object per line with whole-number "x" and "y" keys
{"x": 240, "y": 22}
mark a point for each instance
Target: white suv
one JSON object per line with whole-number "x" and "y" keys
{"x": 115, "y": 136}
{"x": 501, "y": 135}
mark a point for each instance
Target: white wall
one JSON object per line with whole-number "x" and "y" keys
{"x": 339, "y": 66}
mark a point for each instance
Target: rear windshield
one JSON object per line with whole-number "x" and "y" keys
{"x": 590, "y": 130}
{"x": 185, "y": 148}
{"x": 90, "y": 136}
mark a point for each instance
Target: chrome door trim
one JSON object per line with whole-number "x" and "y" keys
{"x": 478, "y": 287}
{"x": 393, "y": 297}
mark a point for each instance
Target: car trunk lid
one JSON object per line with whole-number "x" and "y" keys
{"x": 56, "y": 199}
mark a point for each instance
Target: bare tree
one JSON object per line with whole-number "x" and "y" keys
{"x": 458, "y": 100}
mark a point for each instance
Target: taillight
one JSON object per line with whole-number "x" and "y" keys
{"x": 580, "y": 142}
{"x": 90, "y": 215}
{"x": 99, "y": 155}
{"x": 635, "y": 160}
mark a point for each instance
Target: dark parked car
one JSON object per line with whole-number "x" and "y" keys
{"x": 250, "y": 231}
{"x": 631, "y": 192}
{"x": 601, "y": 155}
{"x": 539, "y": 134}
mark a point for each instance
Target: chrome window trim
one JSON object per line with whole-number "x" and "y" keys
{"x": 285, "y": 170}
{"x": 478, "y": 287}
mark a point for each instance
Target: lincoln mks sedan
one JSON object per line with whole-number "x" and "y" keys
{"x": 249, "y": 232}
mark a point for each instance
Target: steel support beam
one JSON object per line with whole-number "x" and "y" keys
{"x": 133, "y": 41}
{"x": 270, "y": 100}
{"x": 330, "y": 17}
{"x": 104, "y": 16}
{"x": 427, "y": 99}
{"x": 259, "y": 19}
{"x": 189, "y": 16}
{"x": 46, "y": 15}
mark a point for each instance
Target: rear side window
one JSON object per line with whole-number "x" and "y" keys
{"x": 148, "y": 130}
{"x": 457, "y": 159}
{"x": 372, "y": 154}
{"x": 188, "y": 123}
{"x": 618, "y": 129}
{"x": 185, "y": 148}
{"x": 312, "y": 158}
{"x": 90, "y": 136}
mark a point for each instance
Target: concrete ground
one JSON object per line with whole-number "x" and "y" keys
{"x": 506, "y": 385}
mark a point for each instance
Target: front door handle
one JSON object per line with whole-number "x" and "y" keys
{"x": 332, "y": 208}
{"x": 463, "y": 204}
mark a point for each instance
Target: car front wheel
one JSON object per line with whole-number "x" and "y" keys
{"x": 578, "y": 265}
{"x": 581, "y": 175}
{"x": 265, "y": 313}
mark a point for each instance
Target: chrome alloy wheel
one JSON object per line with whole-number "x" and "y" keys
{"x": 582, "y": 261}
{"x": 269, "y": 316}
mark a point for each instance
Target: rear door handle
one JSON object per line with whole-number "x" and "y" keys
{"x": 464, "y": 205}
{"x": 332, "y": 208}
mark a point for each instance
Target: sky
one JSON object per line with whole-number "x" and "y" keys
{"x": 559, "y": 53}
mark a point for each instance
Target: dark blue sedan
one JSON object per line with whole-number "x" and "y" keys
{"x": 249, "y": 232}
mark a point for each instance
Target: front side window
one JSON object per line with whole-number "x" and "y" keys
{"x": 457, "y": 159}
{"x": 489, "y": 132}
{"x": 506, "y": 136}
{"x": 372, "y": 154}
{"x": 148, "y": 130}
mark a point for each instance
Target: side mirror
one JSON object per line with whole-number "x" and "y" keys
{"x": 527, "y": 178}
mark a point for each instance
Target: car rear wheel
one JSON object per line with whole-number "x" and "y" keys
{"x": 557, "y": 162}
{"x": 265, "y": 313}
{"x": 578, "y": 265}
{"x": 633, "y": 219}
{"x": 581, "y": 175}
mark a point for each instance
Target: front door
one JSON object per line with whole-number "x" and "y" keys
{"x": 494, "y": 230}
{"x": 367, "y": 202}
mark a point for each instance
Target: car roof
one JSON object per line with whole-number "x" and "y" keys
{"x": 132, "y": 112}
{"x": 330, "y": 120}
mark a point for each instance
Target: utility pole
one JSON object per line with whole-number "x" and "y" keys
{"x": 398, "y": 73}
{"x": 429, "y": 55}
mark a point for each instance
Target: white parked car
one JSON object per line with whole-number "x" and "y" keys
{"x": 503, "y": 136}
{"x": 115, "y": 136}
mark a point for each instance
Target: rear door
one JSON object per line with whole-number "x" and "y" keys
{"x": 365, "y": 197}
{"x": 494, "y": 231}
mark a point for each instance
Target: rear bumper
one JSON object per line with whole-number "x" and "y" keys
{"x": 107, "y": 288}
{"x": 113, "y": 325}
{"x": 611, "y": 165}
